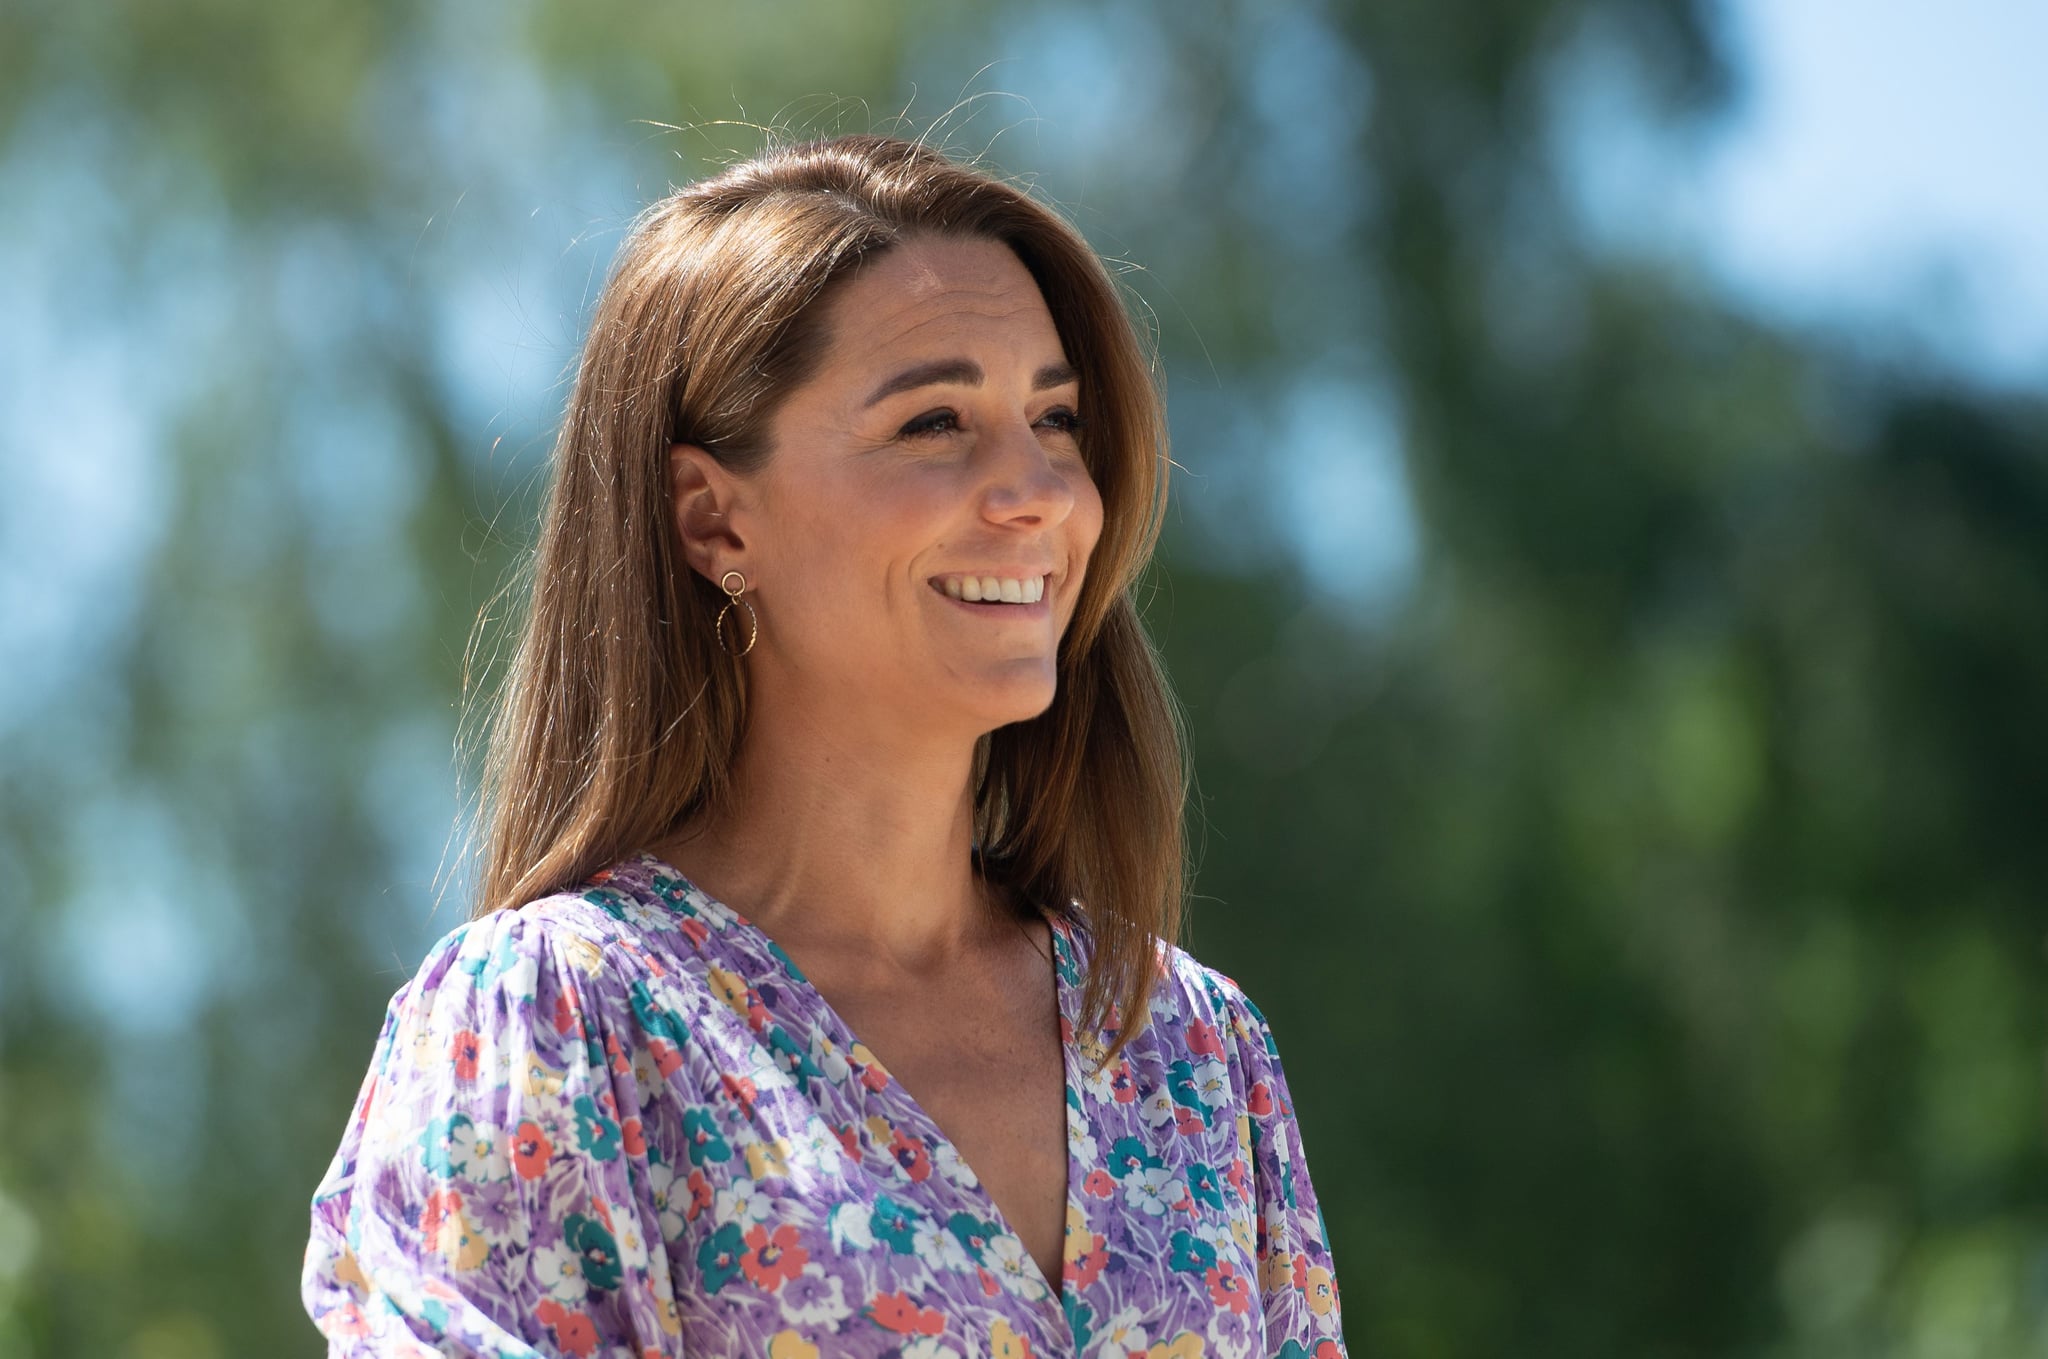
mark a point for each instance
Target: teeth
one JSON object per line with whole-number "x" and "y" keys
{"x": 991, "y": 589}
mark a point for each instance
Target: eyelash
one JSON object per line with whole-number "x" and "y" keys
{"x": 1074, "y": 422}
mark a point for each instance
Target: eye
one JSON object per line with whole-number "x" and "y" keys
{"x": 1065, "y": 420}
{"x": 931, "y": 423}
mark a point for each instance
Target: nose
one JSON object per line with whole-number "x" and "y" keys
{"x": 1025, "y": 482}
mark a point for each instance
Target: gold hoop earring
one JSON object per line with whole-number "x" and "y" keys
{"x": 734, "y": 592}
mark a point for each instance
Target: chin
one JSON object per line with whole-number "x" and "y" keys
{"x": 1004, "y": 704}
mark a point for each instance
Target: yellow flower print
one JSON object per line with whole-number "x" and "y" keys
{"x": 1278, "y": 1271}
{"x": 1241, "y": 1231}
{"x": 881, "y": 1130}
{"x": 584, "y": 956}
{"x": 666, "y": 1316}
{"x": 1077, "y": 1222}
{"x": 540, "y": 1079}
{"x": 1244, "y": 1136}
{"x": 351, "y": 1273}
{"x": 1186, "y": 1345}
{"x": 731, "y": 988}
{"x": 768, "y": 1158}
{"x": 1320, "y": 1298}
{"x": 1004, "y": 1343}
{"x": 791, "y": 1345}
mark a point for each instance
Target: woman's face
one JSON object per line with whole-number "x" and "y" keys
{"x": 931, "y": 459}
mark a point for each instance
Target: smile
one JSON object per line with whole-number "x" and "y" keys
{"x": 991, "y": 589}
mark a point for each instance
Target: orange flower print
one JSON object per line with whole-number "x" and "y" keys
{"x": 1260, "y": 1100}
{"x": 1099, "y": 1184}
{"x": 773, "y": 1259}
{"x": 742, "y": 1090}
{"x": 667, "y": 1059}
{"x": 1203, "y": 1038}
{"x": 1228, "y": 1287}
{"x": 531, "y": 1150}
{"x": 465, "y": 1049}
{"x": 633, "y": 1138}
{"x": 565, "y": 1013}
{"x": 700, "y": 1195}
{"x": 1082, "y": 1271}
{"x": 896, "y": 1312}
{"x": 912, "y": 1155}
{"x": 573, "y": 1331}
{"x": 849, "y": 1137}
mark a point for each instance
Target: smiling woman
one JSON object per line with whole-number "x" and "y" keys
{"x": 821, "y": 994}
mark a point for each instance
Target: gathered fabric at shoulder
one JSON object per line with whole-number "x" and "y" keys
{"x": 483, "y": 1200}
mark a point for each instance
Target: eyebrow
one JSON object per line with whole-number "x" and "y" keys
{"x": 967, "y": 373}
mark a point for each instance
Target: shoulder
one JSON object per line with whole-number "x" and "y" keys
{"x": 1196, "y": 1011}
{"x": 1212, "y": 1008}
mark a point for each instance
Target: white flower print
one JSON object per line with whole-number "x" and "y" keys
{"x": 1080, "y": 1135}
{"x": 816, "y": 1149}
{"x": 671, "y": 1198}
{"x": 929, "y": 1347}
{"x": 560, "y": 1271}
{"x": 477, "y": 1152}
{"x": 741, "y": 1202}
{"x": 628, "y": 1233}
{"x": 850, "y": 1228}
{"x": 1006, "y": 1259}
{"x": 814, "y": 1298}
{"x": 936, "y": 1245}
{"x": 830, "y": 1058}
{"x": 1124, "y": 1334}
{"x": 1212, "y": 1081}
{"x": 1154, "y": 1191}
{"x": 946, "y": 1160}
{"x": 1157, "y": 1110}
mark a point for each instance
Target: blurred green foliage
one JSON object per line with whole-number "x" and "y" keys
{"x": 1646, "y": 893}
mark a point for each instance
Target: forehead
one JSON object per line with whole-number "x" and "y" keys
{"x": 939, "y": 297}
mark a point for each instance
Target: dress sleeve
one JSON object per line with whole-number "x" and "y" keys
{"x": 488, "y": 1198}
{"x": 1297, "y": 1279}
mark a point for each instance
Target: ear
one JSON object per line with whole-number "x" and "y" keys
{"x": 706, "y": 503}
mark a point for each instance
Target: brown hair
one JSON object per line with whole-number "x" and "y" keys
{"x": 619, "y": 715}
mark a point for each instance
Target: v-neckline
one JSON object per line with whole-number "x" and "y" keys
{"x": 1075, "y": 1119}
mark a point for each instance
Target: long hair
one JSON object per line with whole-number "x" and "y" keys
{"x": 619, "y": 715}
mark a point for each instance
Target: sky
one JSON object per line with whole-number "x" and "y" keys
{"x": 1885, "y": 166}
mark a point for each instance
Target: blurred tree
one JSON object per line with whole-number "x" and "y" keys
{"x": 1645, "y": 893}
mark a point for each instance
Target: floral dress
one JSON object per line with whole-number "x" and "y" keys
{"x": 619, "y": 1121}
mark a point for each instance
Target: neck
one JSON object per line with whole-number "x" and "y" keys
{"x": 847, "y": 834}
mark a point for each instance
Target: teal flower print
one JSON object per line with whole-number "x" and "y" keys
{"x": 1190, "y": 1254}
{"x": 657, "y": 1020}
{"x": 974, "y": 1233}
{"x": 588, "y": 1238}
{"x": 1205, "y": 1184}
{"x": 793, "y": 1058}
{"x": 1180, "y": 1080}
{"x": 788, "y": 963}
{"x": 718, "y": 1258}
{"x": 434, "y": 1144}
{"x": 595, "y": 1133}
{"x": 1128, "y": 1154}
{"x": 895, "y": 1223}
{"x": 1080, "y": 1320}
{"x": 705, "y": 1142}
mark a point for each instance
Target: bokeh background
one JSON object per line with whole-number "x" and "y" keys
{"x": 1607, "y": 581}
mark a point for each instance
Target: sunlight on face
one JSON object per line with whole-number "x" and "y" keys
{"x": 936, "y": 443}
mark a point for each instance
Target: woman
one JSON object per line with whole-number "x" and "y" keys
{"x": 818, "y": 1000}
